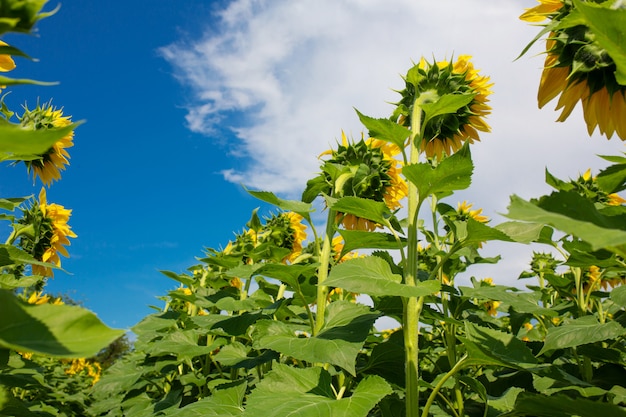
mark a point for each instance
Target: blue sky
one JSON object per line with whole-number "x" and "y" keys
{"x": 184, "y": 101}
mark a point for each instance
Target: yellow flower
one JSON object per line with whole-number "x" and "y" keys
{"x": 578, "y": 69}
{"x": 492, "y": 307}
{"x": 56, "y": 235}
{"x": 542, "y": 11}
{"x": 90, "y": 367}
{"x": 370, "y": 170}
{"x": 445, "y": 134}
{"x": 37, "y": 298}
{"x": 6, "y": 62}
{"x": 464, "y": 210}
{"x": 337, "y": 245}
{"x": 298, "y": 235}
{"x": 49, "y": 166}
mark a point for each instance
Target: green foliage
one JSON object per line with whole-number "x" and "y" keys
{"x": 278, "y": 325}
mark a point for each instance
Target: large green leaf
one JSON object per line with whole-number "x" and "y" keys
{"x": 16, "y": 140}
{"x": 346, "y": 327}
{"x": 581, "y": 332}
{"x": 618, "y": 296}
{"x": 493, "y": 347}
{"x": 573, "y": 214}
{"x": 522, "y": 302}
{"x": 385, "y": 129}
{"x": 446, "y": 104}
{"x": 181, "y": 343}
{"x": 521, "y": 232}
{"x": 372, "y": 275}
{"x": 303, "y": 209}
{"x": 609, "y": 27}
{"x": 288, "y": 391}
{"x": 453, "y": 173}
{"x": 530, "y": 404}
{"x": 361, "y": 207}
{"x": 226, "y": 402}
{"x": 10, "y": 256}
{"x": 359, "y": 239}
{"x": 54, "y": 330}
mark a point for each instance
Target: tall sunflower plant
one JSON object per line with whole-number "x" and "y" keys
{"x": 30, "y": 321}
{"x": 365, "y": 316}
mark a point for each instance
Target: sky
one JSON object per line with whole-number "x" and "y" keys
{"x": 185, "y": 102}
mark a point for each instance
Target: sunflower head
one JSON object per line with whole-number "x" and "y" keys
{"x": 578, "y": 68}
{"x": 50, "y": 234}
{"x": 50, "y": 164}
{"x": 588, "y": 186}
{"x": 464, "y": 212}
{"x": 365, "y": 169}
{"x": 284, "y": 230}
{"x": 427, "y": 83}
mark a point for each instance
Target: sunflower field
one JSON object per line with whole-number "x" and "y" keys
{"x": 284, "y": 320}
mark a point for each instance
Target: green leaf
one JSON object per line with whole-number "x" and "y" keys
{"x": 181, "y": 343}
{"x": 609, "y": 27}
{"x": 581, "y": 332}
{"x": 338, "y": 343}
{"x": 489, "y": 346}
{"x": 521, "y": 232}
{"x": 303, "y": 209}
{"x": 16, "y": 140}
{"x": 222, "y": 325}
{"x": 376, "y": 211}
{"x": 288, "y": 391}
{"x": 618, "y": 296}
{"x": 372, "y": 275}
{"x": 54, "y": 330}
{"x": 446, "y": 104}
{"x": 529, "y": 404}
{"x": 571, "y": 213}
{"x": 9, "y": 282}
{"x": 453, "y": 173}
{"x": 385, "y": 129}
{"x": 10, "y": 255}
{"x": 359, "y": 239}
{"x": 613, "y": 178}
{"x": 225, "y": 402}
{"x": 521, "y": 302}
{"x": 301, "y": 278}
{"x": 21, "y": 81}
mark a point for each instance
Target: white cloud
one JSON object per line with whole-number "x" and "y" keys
{"x": 294, "y": 71}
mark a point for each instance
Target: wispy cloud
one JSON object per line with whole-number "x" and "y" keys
{"x": 293, "y": 71}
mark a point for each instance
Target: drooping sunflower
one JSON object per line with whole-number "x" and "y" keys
{"x": 428, "y": 82}
{"x": 49, "y": 166}
{"x": 284, "y": 230}
{"x": 366, "y": 169}
{"x": 51, "y": 233}
{"x": 578, "y": 68}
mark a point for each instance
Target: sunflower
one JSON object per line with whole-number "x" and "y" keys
{"x": 298, "y": 235}
{"x": 6, "y": 62}
{"x": 587, "y": 186}
{"x": 464, "y": 211}
{"x": 50, "y": 220}
{"x": 365, "y": 169}
{"x": 426, "y": 83}
{"x": 284, "y": 230}
{"x": 578, "y": 68}
{"x": 49, "y": 165}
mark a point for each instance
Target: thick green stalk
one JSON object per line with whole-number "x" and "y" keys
{"x": 322, "y": 273}
{"x": 412, "y": 305}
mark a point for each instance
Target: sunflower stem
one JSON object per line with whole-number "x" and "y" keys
{"x": 322, "y": 273}
{"x": 412, "y": 305}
